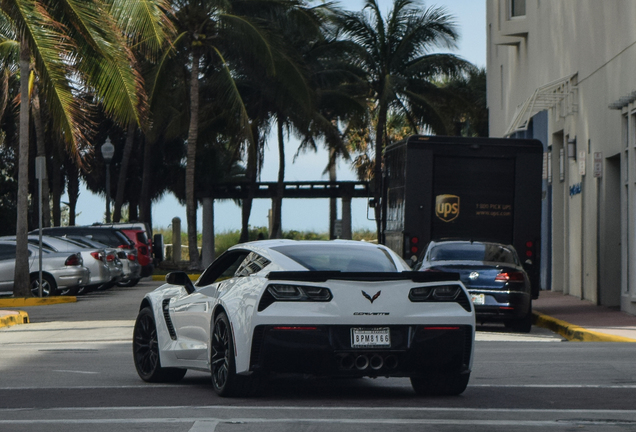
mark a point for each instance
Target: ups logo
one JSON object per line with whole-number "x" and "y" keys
{"x": 447, "y": 207}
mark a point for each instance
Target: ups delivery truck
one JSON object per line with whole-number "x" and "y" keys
{"x": 486, "y": 189}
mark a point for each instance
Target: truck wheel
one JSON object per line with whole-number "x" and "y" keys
{"x": 441, "y": 384}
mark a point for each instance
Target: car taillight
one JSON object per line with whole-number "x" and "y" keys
{"x": 110, "y": 257}
{"x": 131, "y": 257}
{"x": 73, "y": 260}
{"x": 125, "y": 246}
{"x": 98, "y": 256}
{"x": 509, "y": 277}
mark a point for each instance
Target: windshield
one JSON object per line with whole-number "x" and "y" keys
{"x": 473, "y": 252}
{"x": 345, "y": 258}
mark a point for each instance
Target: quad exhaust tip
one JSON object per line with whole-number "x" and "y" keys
{"x": 363, "y": 362}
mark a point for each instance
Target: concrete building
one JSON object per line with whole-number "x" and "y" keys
{"x": 564, "y": 72}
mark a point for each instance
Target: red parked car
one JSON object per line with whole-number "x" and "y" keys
{"x": 139, "y": 234}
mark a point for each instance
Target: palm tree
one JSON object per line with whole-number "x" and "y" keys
{"x": 396, "y": 53}
{"x": 464, "y": 110}
{"x": 70, "y": 43}
{"x": 147, "y": 28}
{"x": 214, "y": 34}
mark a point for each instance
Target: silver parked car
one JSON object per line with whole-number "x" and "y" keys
{"x": 111, "y": 258}
{"x": 61, "y": 271}
{"x": 94, "y": 258}
{"x": 113, "y": 237}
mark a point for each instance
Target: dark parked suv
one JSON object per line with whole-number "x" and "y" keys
{"x": 111, "y": 237}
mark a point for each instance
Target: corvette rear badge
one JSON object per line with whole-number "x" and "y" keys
{"x": 371, "y": 299}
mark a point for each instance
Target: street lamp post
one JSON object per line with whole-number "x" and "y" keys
{"x": 108, "y": 151}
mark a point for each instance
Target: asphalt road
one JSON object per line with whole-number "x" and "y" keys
{"x": 71, "y": 370}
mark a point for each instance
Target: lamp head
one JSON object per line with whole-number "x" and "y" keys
{"x": 108, "y": 151}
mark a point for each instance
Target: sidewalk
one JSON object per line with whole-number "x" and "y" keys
{"x": 581, "y": 320}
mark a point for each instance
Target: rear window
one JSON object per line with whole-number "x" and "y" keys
{"x": 473, "y": 252}
{"x": 142, "y": 238}
{"x": 345, "y": 258}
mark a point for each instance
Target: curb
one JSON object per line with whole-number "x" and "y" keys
{"x": 11, "y": 318}
{"x": 35, "y": 301}
{"x": 162, "y": 278}
{"x": 573, "y": 332}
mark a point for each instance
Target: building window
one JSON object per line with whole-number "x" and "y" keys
{"x": 517, "y": 8}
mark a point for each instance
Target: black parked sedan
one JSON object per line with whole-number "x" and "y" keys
{"x": 493, "y": 275}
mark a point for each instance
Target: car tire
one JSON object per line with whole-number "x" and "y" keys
{"x": 146, "y": 351}
{"x": 441, "y": 384}
{"x": 73, "y": 291}
{"x": 225, "y": 381}
{"x": 522, "y": 325}
{"x": 128, "y": 283}
{"x": 49, "y": 286}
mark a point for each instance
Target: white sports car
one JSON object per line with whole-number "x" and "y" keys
{"x": 327, "y": 308}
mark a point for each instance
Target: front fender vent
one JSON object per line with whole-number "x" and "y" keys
{"x": 166, "y": 317}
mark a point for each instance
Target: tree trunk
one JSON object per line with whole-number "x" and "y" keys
{"x": 145, "y": 203}
{"x": 193, "y": 132}
{"x": 251, "y": 174}
{"x": 207, "y": 246}
{"x": 277, "y": 216}
{"x": 333, "y": 202}
{"x": 21, "y": 281}
{"x": 72, "y": 190}
{"x": 57, "y": 187}
{"x": 377, "y": 177}
{"x": 39, "y": 139}
{"x": 123, "y": 171}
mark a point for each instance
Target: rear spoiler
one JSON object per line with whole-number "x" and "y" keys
{"x": 323, "y": 276}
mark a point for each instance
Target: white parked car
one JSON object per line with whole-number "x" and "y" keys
{"x": 326, "y": 308}
{"x": 61, "y": 271}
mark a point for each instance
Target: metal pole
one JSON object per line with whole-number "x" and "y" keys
{"x": 39, "y": 173}
{"x": 107, "y": 193}
{"x": 40, "y": 233}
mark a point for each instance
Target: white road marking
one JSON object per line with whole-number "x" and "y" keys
{"x": 204, "y": 426}
{"x": 336, "y": 408}
{"x": 142, "y": 386}
{"x": 77, "y": 372}
{"x": 214, "y": 422}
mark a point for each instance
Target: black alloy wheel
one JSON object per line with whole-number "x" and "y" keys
{"x": 222, "y": 363}
{"x": 49, "y": 287}
{"x": 146, "y": 351}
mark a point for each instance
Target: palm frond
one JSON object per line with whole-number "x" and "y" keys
{"x": 146, "y": 23}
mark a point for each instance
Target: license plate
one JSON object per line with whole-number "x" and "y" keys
{"x": 478, "y": 299}
{"x": 370, "y": 337}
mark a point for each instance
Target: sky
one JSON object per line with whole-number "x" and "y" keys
{"x": 304, "y": 214}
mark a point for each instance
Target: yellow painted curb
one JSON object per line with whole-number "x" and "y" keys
{"x": 162, "y": 278}
{"x": 573, "y": 332}
{"x": 14, "y": 318}
{"x": 35, "y": 301}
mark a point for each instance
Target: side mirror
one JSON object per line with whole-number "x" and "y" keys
{"x": 180, "y": 278}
